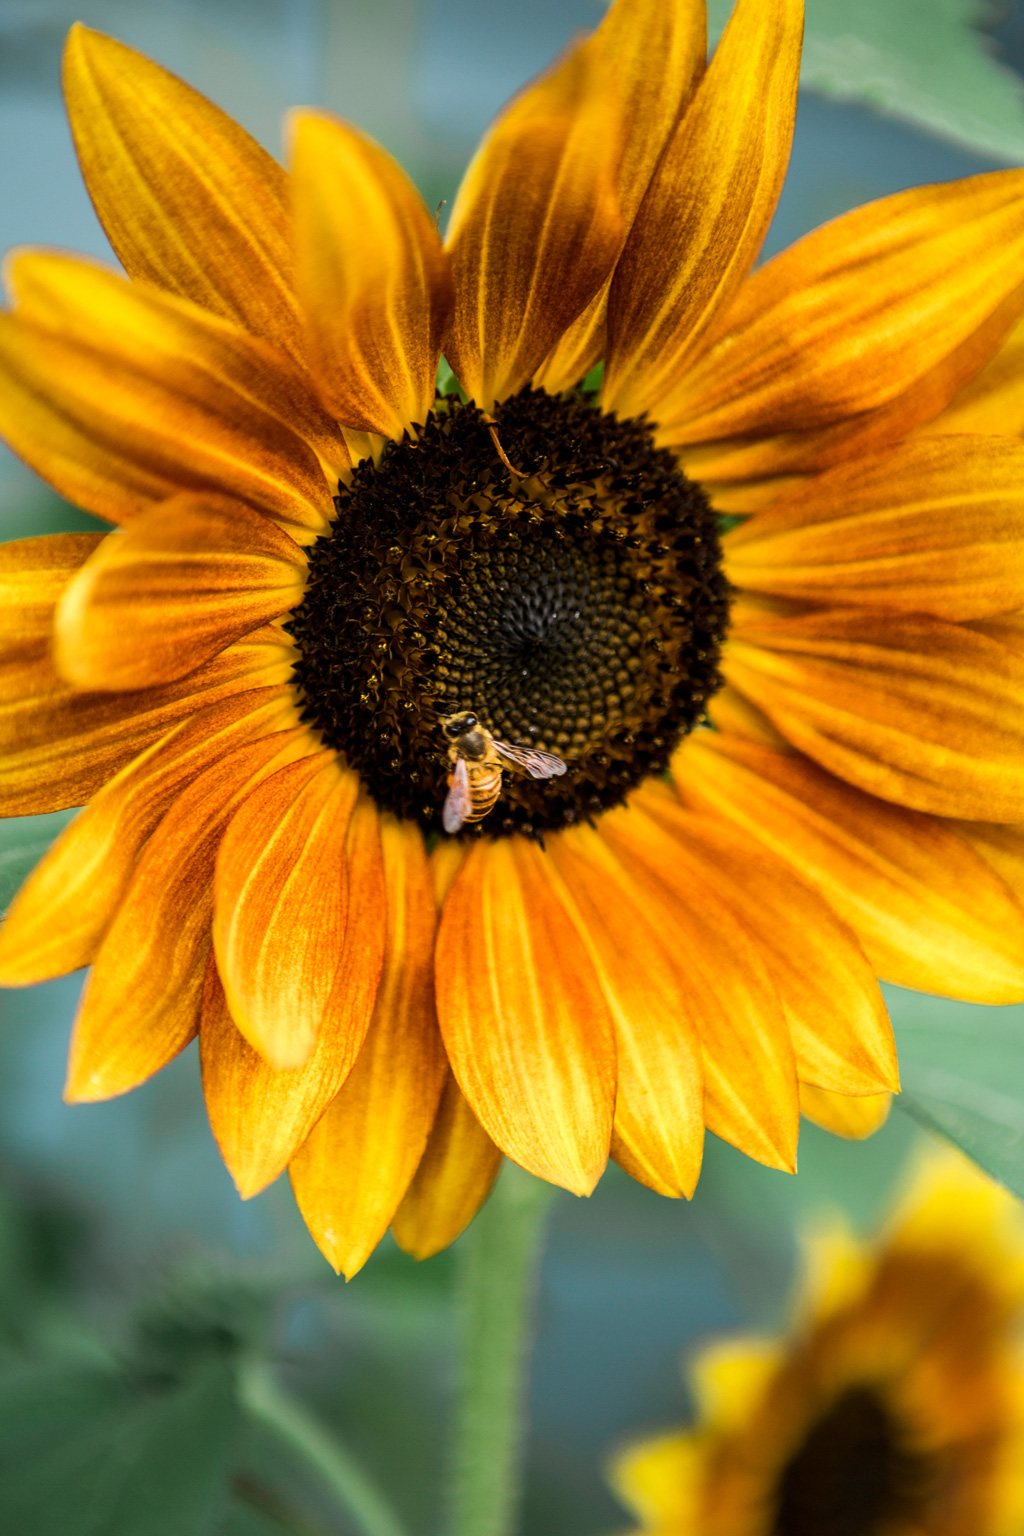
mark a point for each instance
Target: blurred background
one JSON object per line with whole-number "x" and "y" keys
{"x": 99, "y": 1204}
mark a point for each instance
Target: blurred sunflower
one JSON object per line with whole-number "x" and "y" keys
{"x": 895, "y": 1407}
{"x": 322, "y": 557}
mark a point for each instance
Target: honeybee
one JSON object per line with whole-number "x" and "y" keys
{"x": 477, "y": 760}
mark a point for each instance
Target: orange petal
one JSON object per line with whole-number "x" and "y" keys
{"x": 659, "y": 1101}
{"x": 349, "y": 1177}
{"x": 926, "y": 908}
{"x": 188, "y": 200}
{"x": 749, "y": 1069}
{"x": 61, "y": 913}
{"x": 909, "y": 708}
{"x": 841, "y": 1034}
{"x": 59, "y": 746}
{"x": 282, "y": 898}
{"x": 87, "y": 302}
{"x": 536, "y": 226}
{"x": 852, "y": 1118}
{"x": 374, "y": 282}
{"x": 707, "y": 208}
{"x": 651, "y": 102}
{"x": 141, "y": 1003}
{"x": 853, "y": 314}
{"x": 1002, "y": 847}
{"x": 452, "y": 1181}
{"x": 144, "y": 408}
{"x": 933, "y": 526}
{"x": 261, "y": 1116}
{"x": 524, "y": 1020}
{"x": 189, "y": 577}
{"x": 33, "y": 574}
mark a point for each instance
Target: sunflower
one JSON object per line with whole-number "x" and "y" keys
{"x": 793, "y": 752}
{"x": 894, "y": 1407}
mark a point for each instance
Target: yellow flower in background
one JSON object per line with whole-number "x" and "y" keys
{"x": 319, "y": 559}
{"x": 894, "y": 1406}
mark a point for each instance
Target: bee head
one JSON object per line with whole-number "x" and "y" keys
{"x": 457, "y": 725}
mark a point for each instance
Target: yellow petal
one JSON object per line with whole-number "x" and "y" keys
{"x": 707, "y": 208}
{"x": 374, "y": 282}
{"x": 928, "y": 911}
{"x": 651, "y": 102}
{"x": 841, "y": 1034}
{"x": 261, "y": 1116}
{"x": 750, "y": 1093}
{"x": 59, "y": 746}
{"x": 188, "y": 200}
{"x": 911, "y": 709}
{"x": 524, "y": 1021}
{"x": 142, "y": 1000}
{"x": 853, "y": 314}
{"x": 134, "y": 402}
{"x": 33, "y": 574}
{"x": 452, "y": 1181}
{"x": 61, "y": 913}
{"x": 350, "y": 1175}
{"x": 993, "y": 399}
{"x": 659, "y": 1101}
{"x": 933, "y": 526}
{"x": 282, "y": 898}
{"x": 853, "y": 1118}
{"x": 536, "y": 226}
{"x": 158, "y": 600}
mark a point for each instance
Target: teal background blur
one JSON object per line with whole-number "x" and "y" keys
{"x": 98, "y": 1200}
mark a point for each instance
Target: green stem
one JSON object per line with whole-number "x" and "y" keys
{"x": 498, "y": 1261}
{"x": 268, "y": 1402}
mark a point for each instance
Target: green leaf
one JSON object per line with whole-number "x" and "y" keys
{"x": 962, "y": 1069}
{"x": 922, "y": 60}
{"x": 83, "y": 1458}
{"x": 23, "y": 841}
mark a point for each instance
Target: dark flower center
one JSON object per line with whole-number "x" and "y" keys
{"x": 576, "y": 606}
{"x": 854, "y": 1475}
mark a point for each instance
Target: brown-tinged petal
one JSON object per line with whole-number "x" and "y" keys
{"x": 33, "y": 574}
{"x": 659, "y": 1102}
{"x": 61, "y": 913}
{"x": 141, "y": 399}
{"x": 837, "y": 1019}
{"x": 452, "y": 1181}
{"x": 854, "y": 1118}
{"x": 707, "y": 209}
{"x": 928, "y": 911}
{"x": 523, "y": 1015}
{"x": 59, "y": 746}
{"x": 73, "y": 297}
{"x": 909, "y": 708}
{"x": 933, "y": 526}
{"x": 188, "y": 200}
{"x": 141, "y": 1002}
{"x": 165, "y": 595}
{"x": 350, "y": 1175}
{"x": 853, "y": 314}
{"x": 750, "y": 1093}
{"x": 282, "y": 898}
{"x": 373, "y": 281}
{"x": 651, "y": 101}
{"x": 749, "y": 472}
{"x": 259, "y": 1115}
{"x": 536, "y": 226}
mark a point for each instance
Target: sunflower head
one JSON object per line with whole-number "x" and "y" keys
{"x": 895, "y": 1403}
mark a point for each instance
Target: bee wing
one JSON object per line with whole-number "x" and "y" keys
{"x": 539, "y": 765}
{"x": 458, "y": 802}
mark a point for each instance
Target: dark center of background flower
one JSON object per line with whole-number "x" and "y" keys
{"x": 577, "y": 606}
{"x": 854, "y": 1475}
